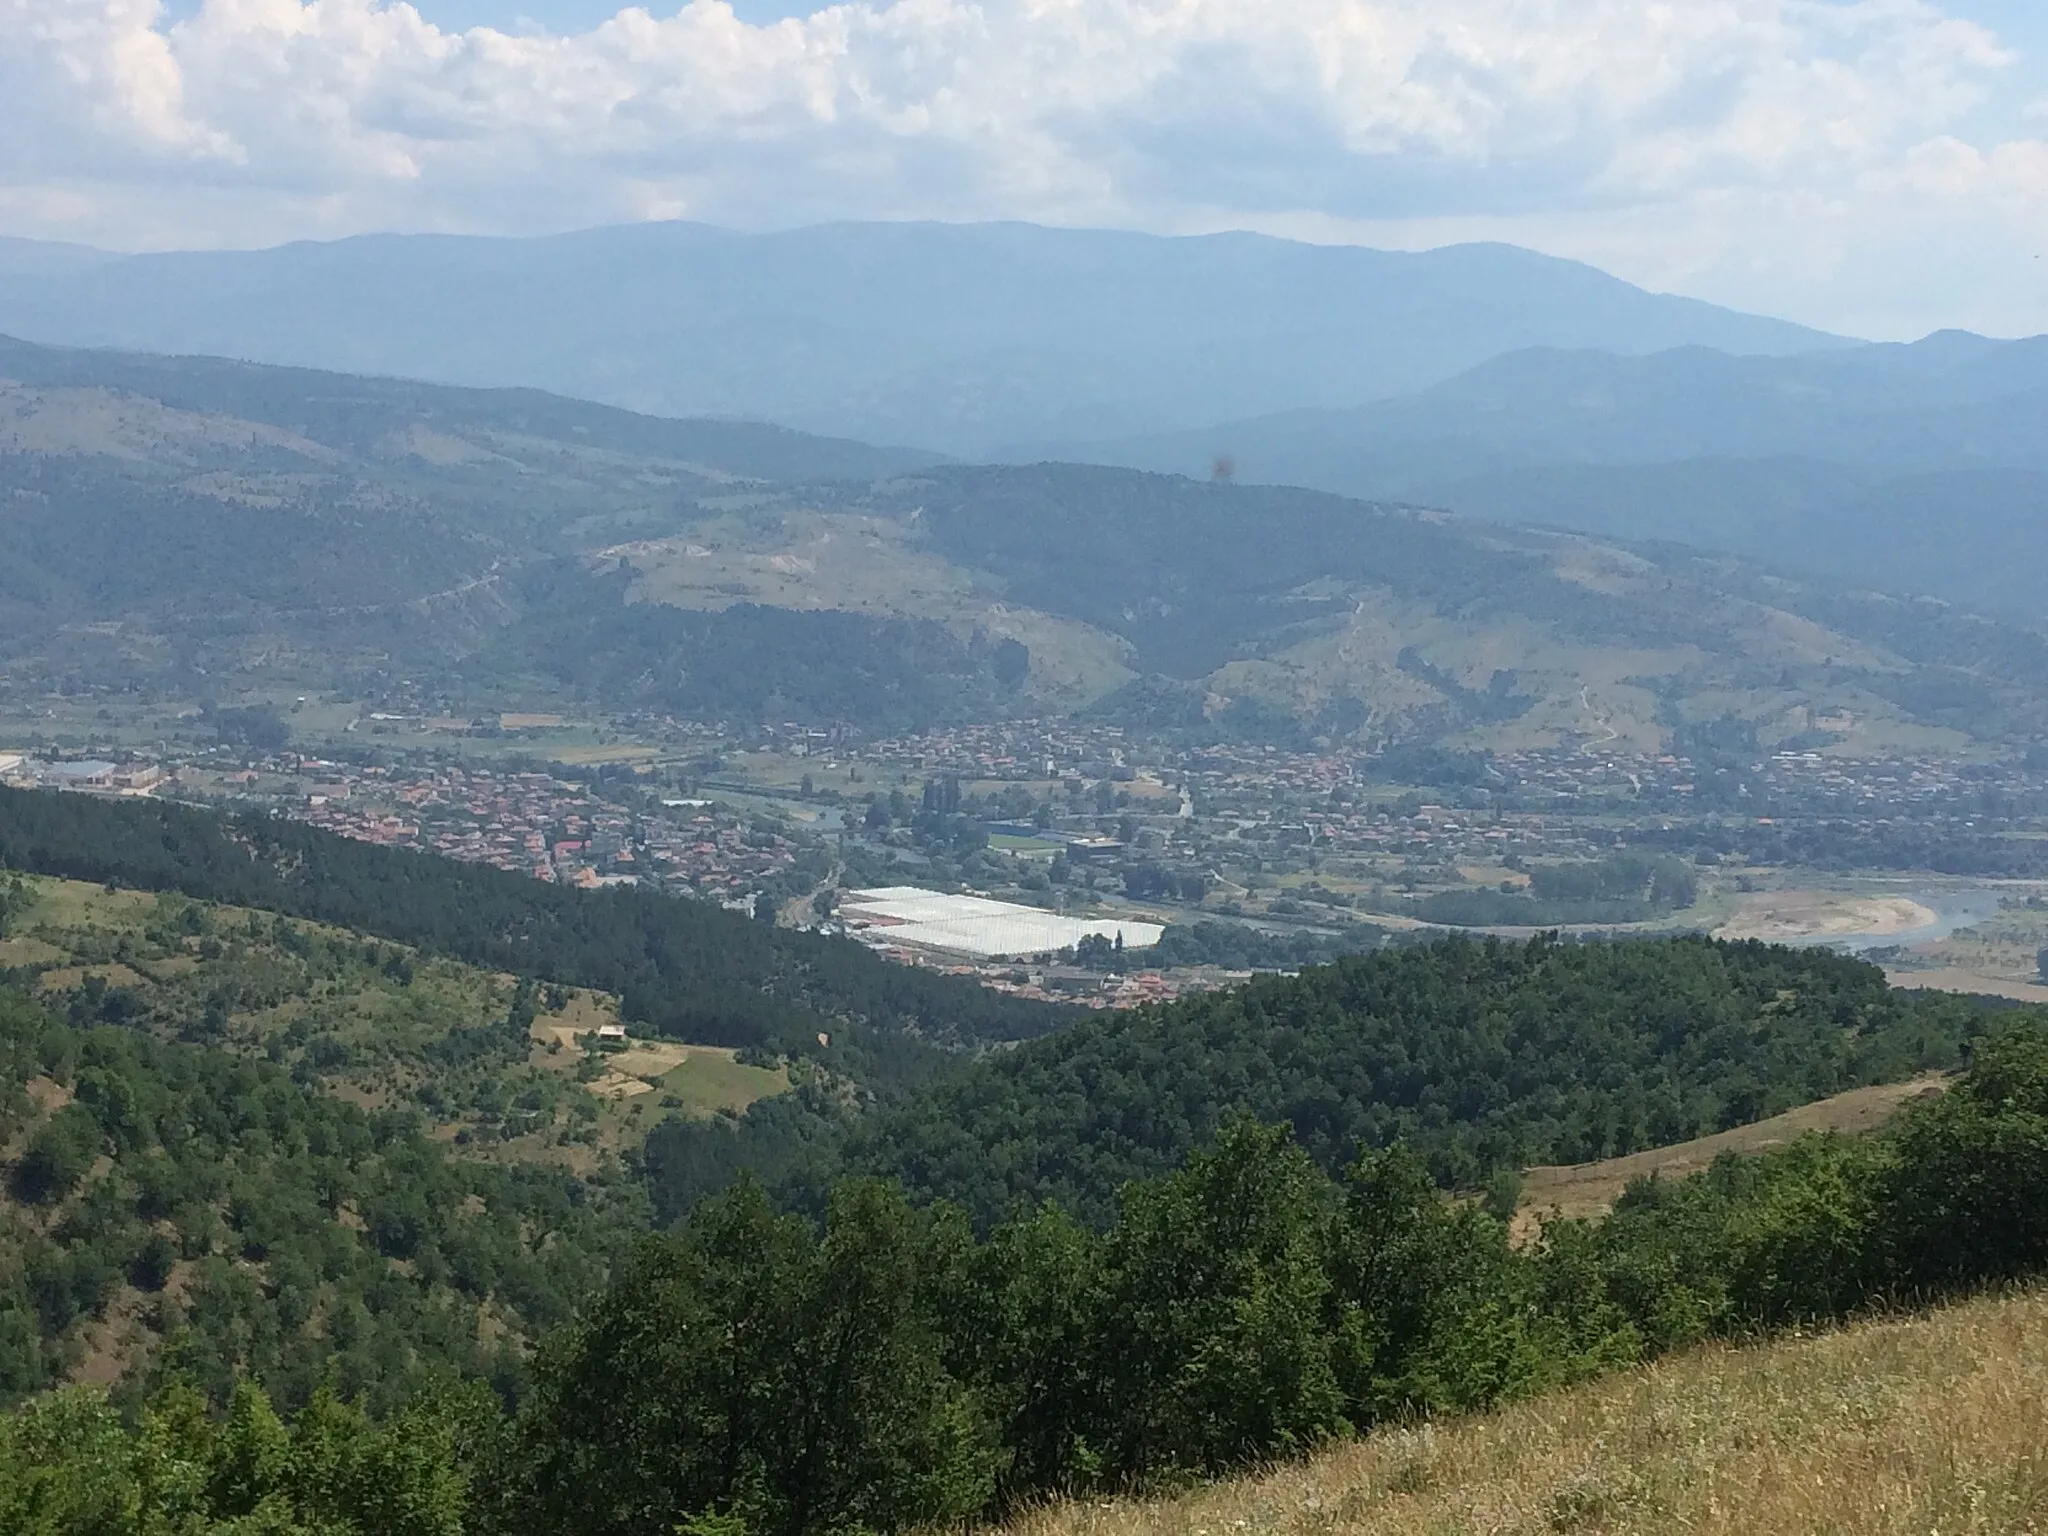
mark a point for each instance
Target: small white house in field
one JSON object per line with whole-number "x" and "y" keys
{"x": 607, "y": 1032}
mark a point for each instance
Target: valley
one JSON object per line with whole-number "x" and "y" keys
{"x": 564, "y": 956}
{"x": 375, "y": 1116}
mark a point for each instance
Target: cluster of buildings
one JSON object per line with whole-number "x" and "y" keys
{"x": 540, "y": 825}
{"x": 1030, "y": 750}
{"x": 20, "y": 770}
{"x": 1904, "y": 783}
{"x": 1051, "y": 981}
{"x": 1558, "y": 802}
{"x": 1075, "y": 808}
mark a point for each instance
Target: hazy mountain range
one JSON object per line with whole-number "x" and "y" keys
{"x": 204, "y": 529}
{"x": 1482, "y": 379}
{"x": 960, "y": 338}
{"x": 1920, "y": 468}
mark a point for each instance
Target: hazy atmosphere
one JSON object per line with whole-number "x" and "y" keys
{"x": 1039, "y": 768}
{"x": 1875, "y": 167}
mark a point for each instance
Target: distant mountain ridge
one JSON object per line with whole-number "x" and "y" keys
{"x": 354, "y": 413}
{"x": 219, "y": 500}
{"x": 193, "y": 528}
{"x": 1917, "y": 468}
{"x": 45, "y": 258}
{"x": 956, "y": 338}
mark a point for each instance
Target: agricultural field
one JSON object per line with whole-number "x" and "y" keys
{"x": 496, "y": 1068}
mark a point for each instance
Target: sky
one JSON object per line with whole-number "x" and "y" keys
{"x": 1875, "y": 167}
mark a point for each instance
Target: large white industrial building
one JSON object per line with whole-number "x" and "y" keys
{"x": 975, "y": 925}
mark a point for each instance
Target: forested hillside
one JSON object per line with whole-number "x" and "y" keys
{"x": 180, "y": 1211}
{"x": 1247, "y": 608}
{"x": 1200, "y": 1292}
{"x": 748, "y": 663}
{"x": 1483, "y": 1056}
{"x": 1085, "y": 1264}
{"x": 888, "y": 1370}
{"x": 230, "y": 518}
{"x": 1478, "y": 1056}
{"x": 680, "y": 968}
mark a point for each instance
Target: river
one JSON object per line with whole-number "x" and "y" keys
{"x": 1953, "y": 907}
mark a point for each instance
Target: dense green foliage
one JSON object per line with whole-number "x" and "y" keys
{"x": 69, "y": 1464}
{"x": 1628, "y": 887}
{"x": 1951, "y": 1198}
{"x": 1087, "y": 1266}
{"x": 1479, "y": 1055}
{"x": 890, "y": 1370}
{"x": 680, "y": 967}
{"x": 249, "y": 1224}
{"x": 83, "y": 538}
{"x": 887, "y": 1370}
{"x": 353, "y": 1015}
{"x": 1240, "y": 947}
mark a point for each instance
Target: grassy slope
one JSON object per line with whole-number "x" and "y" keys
{"x": 1893, "y": 1428}
{"x": 1590, "y": 1189}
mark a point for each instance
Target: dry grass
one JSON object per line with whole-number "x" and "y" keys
{"x": 114, "y": 975}
{"x": 1590, "y": 1189}
{"x": 1930, "y": 1426}
{"x": 1951, "y": 978}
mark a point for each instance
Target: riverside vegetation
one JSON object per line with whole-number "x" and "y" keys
{"x": 1113, "y": 1277}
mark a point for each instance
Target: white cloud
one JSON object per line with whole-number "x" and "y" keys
{"x": 1717, "y": 145}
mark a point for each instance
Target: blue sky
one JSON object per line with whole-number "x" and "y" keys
{"x": 1873, "y": 166}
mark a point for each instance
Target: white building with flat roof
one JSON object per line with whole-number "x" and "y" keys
{"x": 976, "y": 925}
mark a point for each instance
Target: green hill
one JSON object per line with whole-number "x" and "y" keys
{"x": 889, "y": 1370}
{"x": 1213, "y": 609}
{"x": 1482, "y": 1057}
{"x": 1369, "y": 619}
{"x": 282, "y": 1134}
{"x": 187, "y": 530}
{"x": 178, "y": 1209}
{"x": 210, "y": 513}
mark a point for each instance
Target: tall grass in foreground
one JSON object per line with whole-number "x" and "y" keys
{"x": 1927, "y": 1426}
